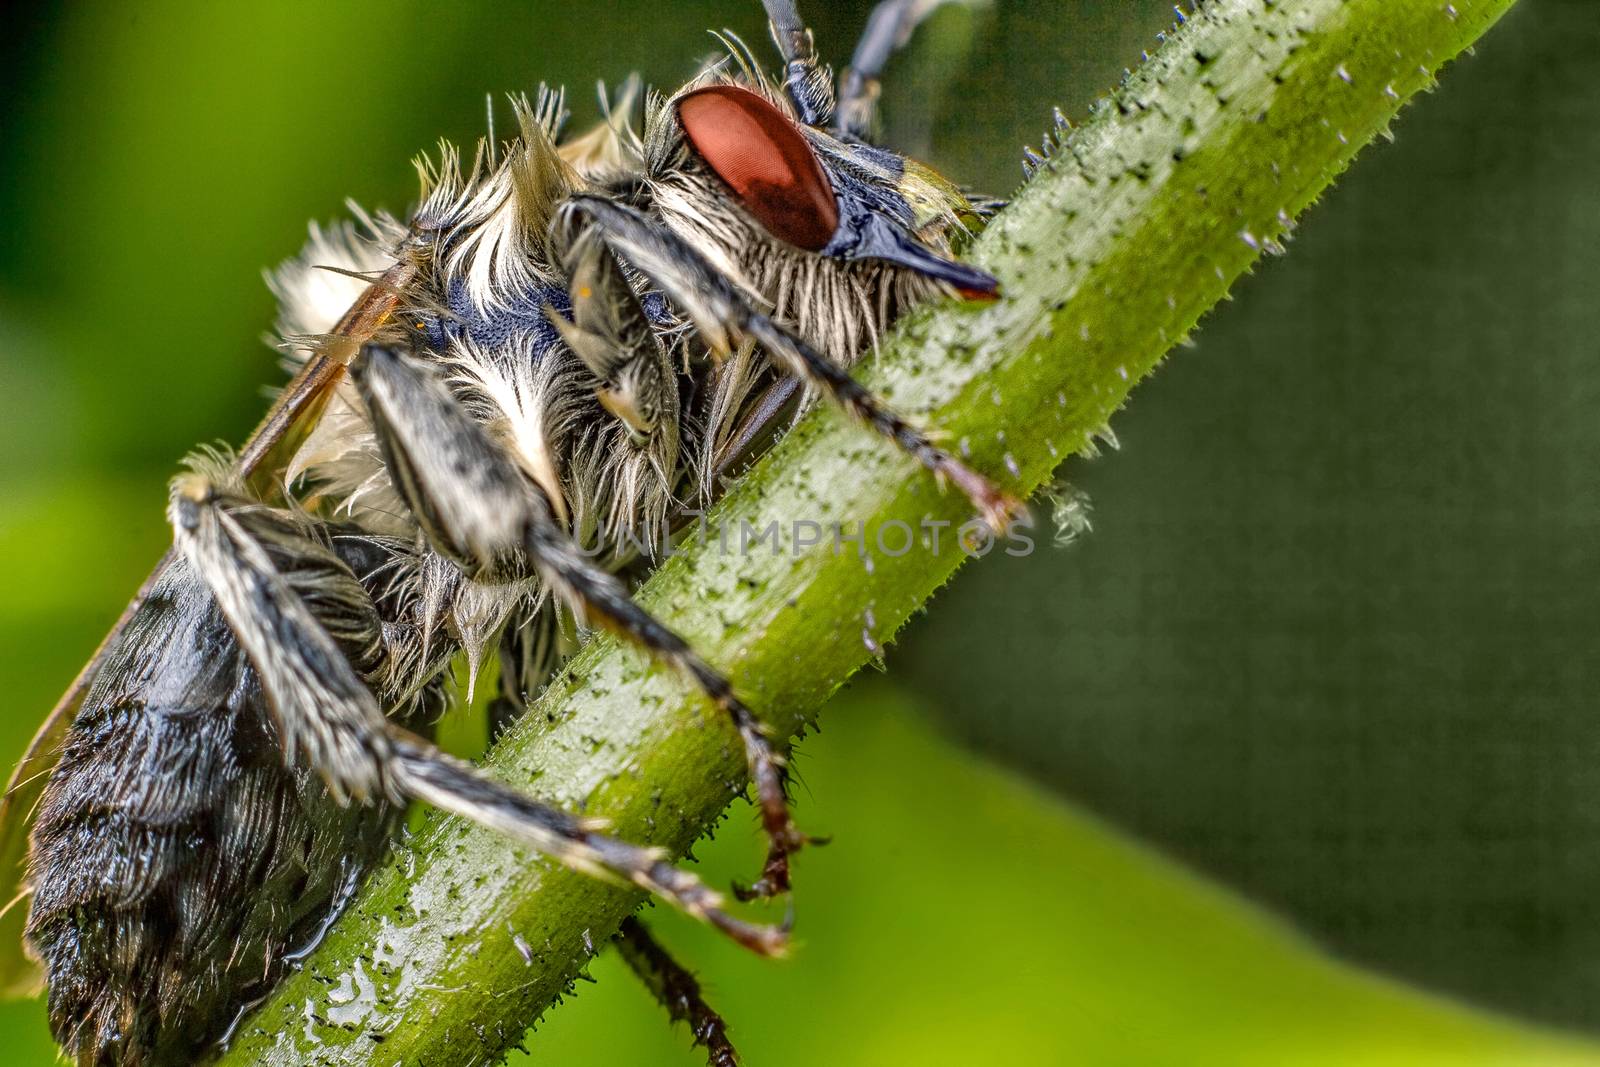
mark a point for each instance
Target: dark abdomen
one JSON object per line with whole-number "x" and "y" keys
{"x": 175, "y": 860}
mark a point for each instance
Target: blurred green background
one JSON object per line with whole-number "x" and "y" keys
{"x": 1329, "y": 645}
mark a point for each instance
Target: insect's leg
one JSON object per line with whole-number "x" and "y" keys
{"x": 889, "y": 27}
{"x": 804, "y": 77}
{"x": 453, "y": 785}
{"x": 476, "y": 506}
{"x": 324, "y": 712}
{"x": 724, "y": 316}
{"x": 610, "y": 333}
{"x": 676, "y": 990}
{"x": 323, "y": 708}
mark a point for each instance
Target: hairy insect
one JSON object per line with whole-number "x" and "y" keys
{"x": 497, "y": 402}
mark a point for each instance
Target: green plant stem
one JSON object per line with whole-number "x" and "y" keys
{"x": 1140, "y": 224}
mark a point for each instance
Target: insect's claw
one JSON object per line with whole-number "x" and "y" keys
{"x": 998, "y": 509}
{"x": 764, "y": 940}
{"x": 1003, "y": 511}
{"x": 760, "y": 889}
{"x": 783, "y": 841}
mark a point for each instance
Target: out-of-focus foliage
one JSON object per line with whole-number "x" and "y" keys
{"x": 962, "y": 917}
{"x": 1333, "y": 637}
{"x": 1328, "y": 638}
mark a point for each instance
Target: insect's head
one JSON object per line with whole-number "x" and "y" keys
{"x": 837, "y": 236}
{"x": 840, "y": 199}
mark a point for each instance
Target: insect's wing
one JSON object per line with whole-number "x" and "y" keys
{"x": 19, "y": 975}
{"x": 773, "y": 410}
{"x": 301, "y": 402}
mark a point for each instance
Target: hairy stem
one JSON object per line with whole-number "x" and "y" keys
{"x": 1140, "y": 223}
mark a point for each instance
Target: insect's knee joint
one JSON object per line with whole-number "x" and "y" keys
{"x": 189, "y": 493}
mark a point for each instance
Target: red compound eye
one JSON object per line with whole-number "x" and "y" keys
{"x": 763, "y": 157}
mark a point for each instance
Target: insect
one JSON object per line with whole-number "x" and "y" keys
{"x": 496, "y": 401}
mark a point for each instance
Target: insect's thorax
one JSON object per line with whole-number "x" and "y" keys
{"x": 492, "y": 305}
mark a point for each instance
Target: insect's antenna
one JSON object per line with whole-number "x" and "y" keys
{"x": 809, "y": 85}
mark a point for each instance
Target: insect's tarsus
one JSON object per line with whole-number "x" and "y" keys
{"x": 888, "y": 28}
{"x": 454, "y": 786}
{"x": 805, "y": 79}
{"x": 677, "y": 991}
